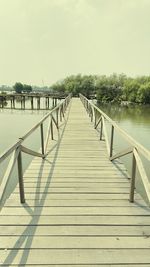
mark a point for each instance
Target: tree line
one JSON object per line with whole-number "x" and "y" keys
{"x": 113, "y": 88}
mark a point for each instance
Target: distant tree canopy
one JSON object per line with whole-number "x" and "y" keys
{"x": 19, "y": 88}
{"x": 27, "y": 88}
{"x": 76, "y": 84}
{"x": 116, "y": 87}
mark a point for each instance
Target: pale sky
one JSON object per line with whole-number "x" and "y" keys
{"x": 50, "y": 39}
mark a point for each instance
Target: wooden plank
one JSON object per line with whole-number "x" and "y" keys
{"x": 134, "y": 211}
{"x": 68, "y": 163}
{"x": 76, "y": 195}
{"x": 82, "y": 265}
{"x": 89, "y": 175}
{"x": 82, "y": 168}
{"x": 74, "y": 172}
{"x": 97, "y": 190}
{"x": 75, "y": 230}
{"x": 118, "y": 180}
{"x": 11, "y": 202}
{"x": 77, "y": 184}
{"x": 74, "y": 220}
{"x": 73, "y": 242}
{"x": 76, "y": 256}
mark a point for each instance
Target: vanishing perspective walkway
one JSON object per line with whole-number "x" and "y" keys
{"x": 77, "y": 211}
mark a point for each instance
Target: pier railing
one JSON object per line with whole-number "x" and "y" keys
{"x": 136, "y": 149}
{"x": 32, "y": 97}
{"x": 55, "y": 116}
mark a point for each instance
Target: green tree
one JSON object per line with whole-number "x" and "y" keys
{"x": 58, "y": 88}
{"x": 109, "y": 88}
{"x": 76, "y": 84}
{"x": 131, "y": 87}
{"x": 27, "y": 88}
{"x": 18, "y": 87}
{"x": 143, "y": 95}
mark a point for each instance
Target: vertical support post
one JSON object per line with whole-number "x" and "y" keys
{"x": 45, "y": 103}
{"x": 13, "y": 101}
{"x": 63, "y": 110}
{"x": 21, "y": 102}
{"x": 24, "y": 102}
{"x": 91, "y": 111}
{"x": 87, "y": 108}
{"x": 42, "y": 139}
{"x": 39, "y": 102}
{"x": 95, "y": 117}
{"x": 3, "y": 101}
{"x": 57, "y": 118}
{"x": 101, "y": 130}
{"x": 111, "y": 141}
{"x": 20, "y": 177}
{"x": 32, "y": 102}
{"x": 52, "y": 135}
{"x": 133, "y": 178}
{"x": 60, "y": 113}
{"x": 48, "y": 102}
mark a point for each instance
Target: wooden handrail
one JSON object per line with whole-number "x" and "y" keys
{"x": 136, "y": 148}
{"x": 17, "y": 149}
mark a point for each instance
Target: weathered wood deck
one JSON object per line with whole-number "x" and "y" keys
{"x": 77, "y": 211}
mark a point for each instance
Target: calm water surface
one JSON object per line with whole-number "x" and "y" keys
{"x": 14, "y": 124}
{"x": 135, "y": 120}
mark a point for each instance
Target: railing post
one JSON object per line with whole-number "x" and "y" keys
{"x": 20, "y": 178}
{"x": 95, "y": 118}
{"x": 60, "y": 113}
{"x": 42, "y": 139}
{"x": 52, "y": 136}
{"x": 63, "y": 110}
{"x": 132, "y": 187}
{"x": 111, "y": 141}
{"x": 87, "y": 107}
{"x": 91, "y": 114}
{"x": 101, "y": 130}
{"x": 57, "y": 118}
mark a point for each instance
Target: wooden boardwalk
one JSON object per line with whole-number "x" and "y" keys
{"x": 77, "y": 211}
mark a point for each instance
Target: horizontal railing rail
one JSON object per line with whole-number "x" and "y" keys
{"x": 100, "y": 118}
{"x": 16, "y": 150}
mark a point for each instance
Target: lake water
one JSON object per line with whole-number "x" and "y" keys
{"x": 135, "y": 120}
{"x": 14, "y": 124}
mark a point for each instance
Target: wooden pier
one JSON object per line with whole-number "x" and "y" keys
{"x": 77, "y": 210}
{"x": 19, "y": 101}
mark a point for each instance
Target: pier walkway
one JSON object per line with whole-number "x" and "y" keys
{"x": 77, "y": 210}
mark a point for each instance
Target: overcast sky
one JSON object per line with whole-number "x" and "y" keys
{"x": 43, "y": 41}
